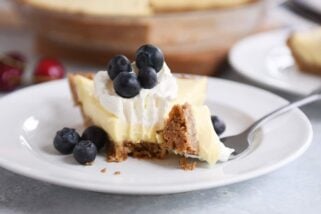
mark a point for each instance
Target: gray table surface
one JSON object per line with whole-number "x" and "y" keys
{"x": 295, "y": 188}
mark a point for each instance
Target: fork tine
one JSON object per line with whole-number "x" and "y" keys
{"x": 238, "y": 142}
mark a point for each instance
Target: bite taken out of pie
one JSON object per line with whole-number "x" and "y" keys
{"x": 146, "y": 111}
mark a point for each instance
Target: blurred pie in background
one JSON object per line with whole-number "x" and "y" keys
{"x": 306, "y": 50}
{"x": 195, "y": 35}
{"x": 132, "y": 7}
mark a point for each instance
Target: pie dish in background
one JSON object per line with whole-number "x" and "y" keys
{"x": 195, "y": 39}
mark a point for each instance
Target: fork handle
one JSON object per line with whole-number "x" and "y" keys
{"x": 314, "y": 96}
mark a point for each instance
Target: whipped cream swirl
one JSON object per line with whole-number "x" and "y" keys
{"x": 148, "y": 108}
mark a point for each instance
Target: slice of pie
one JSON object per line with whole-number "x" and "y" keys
{"x": 169, "y": 117}
{"x": 306, "y": 50}
{"x": 186, "y": 130}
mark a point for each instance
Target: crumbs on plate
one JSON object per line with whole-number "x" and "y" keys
{"x": 186, "y": 165}
{"x": 104, "y": 170}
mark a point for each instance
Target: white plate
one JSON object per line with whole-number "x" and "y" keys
{"x": 30, "y": 118}
{"x": 265, "y": 58}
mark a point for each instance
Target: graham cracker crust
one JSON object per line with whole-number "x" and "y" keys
{"x": 75, "y": 98}
{"x": 179, "y": 133}
{"x": 142, "y": 150}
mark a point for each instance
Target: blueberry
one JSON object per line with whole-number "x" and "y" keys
{"x": 96, "y": 135}
{"x": 117, "y": 65}
{"x": 147, "y": 77}
{"x": 85, "y": 152}
{"x": 126, "y": 85}
{"x": 219, "y": 125}
{"x": 149, "y": 56}
{"x": 65, "y": 140}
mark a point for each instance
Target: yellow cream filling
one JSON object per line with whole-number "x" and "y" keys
{"x": 209, "y": 143}
{"x": 121, "y": 131}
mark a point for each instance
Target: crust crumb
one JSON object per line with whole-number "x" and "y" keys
{"x": 117, "y": 173}
{"x": 104, "y": 170}
{"x": 186, "y": 165}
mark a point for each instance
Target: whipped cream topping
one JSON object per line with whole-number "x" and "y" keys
{"x": 148, "y": 108}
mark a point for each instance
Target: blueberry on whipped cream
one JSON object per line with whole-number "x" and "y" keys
{"x": 118, "y": 64}
{"x": 147, "y": 77}
{"x": 149, "y": 56}
{"x": 128, "y": 79}
{"x": 127, "y": 85}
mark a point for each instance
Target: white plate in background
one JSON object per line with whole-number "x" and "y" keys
{"x": 265, "y": 59}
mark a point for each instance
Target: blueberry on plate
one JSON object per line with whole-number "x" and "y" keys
{"x": 219, "y": 125}
{"x": 127, "y": 85}
{"x": 65, "y": 140}
{"x": 96, "y": 135}
{"x": 147, "y": 77}
{"x": 85, "y": 152}
{"x": 149, "y": 56}
{"x": 117, "y": 65}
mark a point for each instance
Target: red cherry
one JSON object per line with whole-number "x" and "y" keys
{"x": 10, "y": 77}
{"x": 48, "y": 69}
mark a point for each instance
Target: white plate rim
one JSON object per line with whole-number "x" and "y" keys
{"x": 16, "y": 168}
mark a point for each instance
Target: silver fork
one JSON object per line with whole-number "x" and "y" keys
{"x": 241, "y": 142}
